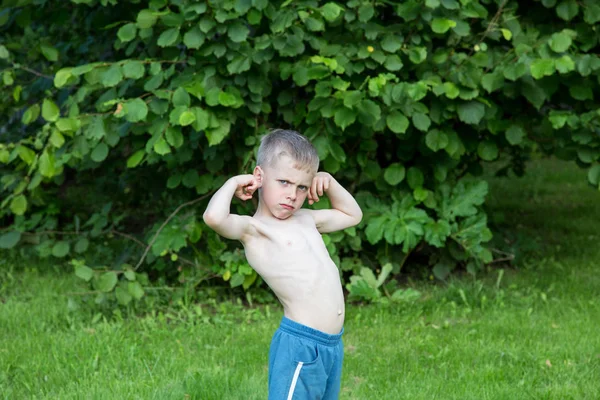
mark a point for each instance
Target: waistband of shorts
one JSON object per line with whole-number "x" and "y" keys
{"x": 296, "y": 329}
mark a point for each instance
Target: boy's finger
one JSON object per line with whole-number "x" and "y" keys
{"x": 320, "y": 187}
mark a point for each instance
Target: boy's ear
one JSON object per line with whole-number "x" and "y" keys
{"x": 258, "y": 175}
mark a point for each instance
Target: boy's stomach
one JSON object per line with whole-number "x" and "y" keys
{"x": 310, "y": 294}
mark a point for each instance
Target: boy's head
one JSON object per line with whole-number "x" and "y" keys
{"x": 286, "y": 165}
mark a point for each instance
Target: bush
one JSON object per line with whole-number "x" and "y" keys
{"x": 116, "y": 113}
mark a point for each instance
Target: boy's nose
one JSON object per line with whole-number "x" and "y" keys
{"x": 292, "y": 194}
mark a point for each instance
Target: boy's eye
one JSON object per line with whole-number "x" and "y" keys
{"x": 283, "y": 182}
{"x": 303, "y": 188}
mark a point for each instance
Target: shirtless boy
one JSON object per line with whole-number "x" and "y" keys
{"x": 283, "y": 243}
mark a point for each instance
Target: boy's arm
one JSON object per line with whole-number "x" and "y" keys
{"x": 345, "y": 211}
{"x": 217, "y": 214}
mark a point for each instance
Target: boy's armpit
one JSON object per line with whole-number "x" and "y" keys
{"x": 332, "y": 220}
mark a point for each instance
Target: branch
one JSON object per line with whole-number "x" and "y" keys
{"x": 34, "y": 72}
{"x": 189, "y": 203}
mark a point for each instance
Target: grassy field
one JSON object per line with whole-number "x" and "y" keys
{"x": 525, "y": 333}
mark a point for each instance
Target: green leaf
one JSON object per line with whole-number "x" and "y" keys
{"x": 127, "y": 32}
{"x": 542, "y": 67}
{"x": 436, "y": 140}
{"x": 9, "y": 240}
{"x": 507, "y": 34}
{"x": 146, "y": 19}
{"x": 493, "y": 81}
{"x": 564, "y": 64}
{"x": 560, "y": 42}
{"x": 46, "y": 164}
{"x": 135, "y": 159}
{"x": 394, "y": 174}
{"x": 26, "y": 154}
{"x": 415, "y": 178}
{"x": 50, "y": 111}
{"x": 515, "y": 135}
{"x": 344, "y": 117}
{"x": 123, "y": 296}
{"x": 113, "y": 76}
{"x": 368, "y": 112}
{"x": 487, "y": 150}
{"x": 417, "y": 54}
{"x": 181, "y": 97}
{"x": 100, "y": 152}
{"x": 18, "y": 205}
{"x": 366, "y": 12}
{"x": 594, "y": 176}
{"x": 82, "y": 245}
{"x": 375, "y": 228}
{"x": 161, "y": 147}
{"x": 49, "y": 52}
{"x": 451, "y": 90}
{"x": 62, "y": 76}
{"x": 463, "y": 200}
{"x": 61, "y": 249}
{"x": 393, "y": 63}
{"x": 471, "y": 112}
{"x": 391, "y": 43}
{"x": 168, "y": 37}
{"x": 331, "y": 11}
{"x": 397, "y": 122}
{"x": 135, "y": 110}
{"x": 174, "y": 136}
{"x": 436, "y": 233}
{"x": 567, "y": 9}
{"x": 194, "y": 38}
{"x": 592, "y": 13}
{"x": 238, "y": 32}
{"x": 3, "y": 52}
{"x": 31, "y": 114}
{"x": 186, "y": 118}
{"x": 441, "y": 25}
{"x": 421, "y": 121}
{"x": 129, "y": 275}
{"x": 133, "y": 69}
{"x": 216, "y": 136}
{"x": 84, "y": 272}
{"x": 107, "y": 281}
{"x": 135, "y": 289}
{"x": 581, "y": 92}
{"x": 337, "y": 151}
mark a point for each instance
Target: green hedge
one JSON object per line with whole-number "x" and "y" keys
{"x": 114, "y": 114}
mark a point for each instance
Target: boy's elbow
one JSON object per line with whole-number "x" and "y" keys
{"x": 359, "y": 217}
{"x": 210, "y": 220}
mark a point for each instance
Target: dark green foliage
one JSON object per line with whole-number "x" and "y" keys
{"x": 114, "y": 113}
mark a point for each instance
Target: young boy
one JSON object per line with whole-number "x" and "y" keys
{"x": 283, "y": 244}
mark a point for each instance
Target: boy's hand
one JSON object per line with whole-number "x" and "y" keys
{"x": 320, "y": 185}
{"x": 246, "y": 186}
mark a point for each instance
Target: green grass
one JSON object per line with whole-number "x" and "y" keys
{"x": 524, "y": 333}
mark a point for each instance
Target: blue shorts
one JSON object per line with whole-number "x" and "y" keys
{"x": 304, "y": 363}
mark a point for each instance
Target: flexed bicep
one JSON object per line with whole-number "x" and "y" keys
{"x": 332, "y": 220}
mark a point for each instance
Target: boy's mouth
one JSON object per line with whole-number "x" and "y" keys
{"x": 287, "y": 207}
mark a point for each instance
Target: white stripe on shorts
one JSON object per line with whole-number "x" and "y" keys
{"x": 295, "y": 380}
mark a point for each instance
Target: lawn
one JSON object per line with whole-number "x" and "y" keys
{"x": 530, "y": 332}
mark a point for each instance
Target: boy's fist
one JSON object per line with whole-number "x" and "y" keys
{"x": 320, "y": 185}
{"x": 246, "y": 186}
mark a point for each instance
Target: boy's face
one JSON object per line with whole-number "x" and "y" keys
{"x": 284, "y": 187}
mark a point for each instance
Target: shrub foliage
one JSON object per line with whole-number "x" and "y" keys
{"x": 113, "y": 115}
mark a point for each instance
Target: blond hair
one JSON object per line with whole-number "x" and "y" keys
{"x": 285, "y": 142}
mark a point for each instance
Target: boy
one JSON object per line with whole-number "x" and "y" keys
{"x": 283, "y": 244}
